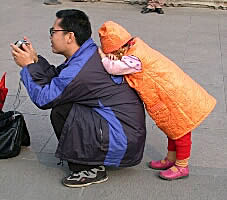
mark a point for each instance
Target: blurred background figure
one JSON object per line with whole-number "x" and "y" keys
{"x": 51, "y": 2}
{"x": 140, "y": 2}
{"x": 153, "y": 6}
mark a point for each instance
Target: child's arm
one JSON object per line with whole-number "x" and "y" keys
{"x": 127, "y": 65}
{"x": 119, "y": 67}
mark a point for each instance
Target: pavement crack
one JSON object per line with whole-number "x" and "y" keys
{"x": 222, "y": 67}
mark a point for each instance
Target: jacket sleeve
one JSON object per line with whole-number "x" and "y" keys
{"x": 42, "y": 72}
{"x": 45, "y": 84}
{"x": 127, "y": 65}
{"x": 48, "y": 86}
{"x": 54, "y": 89}
{"x": 45, "y": 96}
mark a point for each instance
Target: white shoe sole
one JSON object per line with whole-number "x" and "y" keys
{"x": 86, "y": 184}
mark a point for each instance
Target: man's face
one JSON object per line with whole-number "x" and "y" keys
{"x": 58, "y": 38}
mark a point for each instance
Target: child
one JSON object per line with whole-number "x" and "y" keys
{"x": 174, "y": 101}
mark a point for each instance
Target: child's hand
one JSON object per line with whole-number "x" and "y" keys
{"x": 112, "y": 56}
{"x": 101, "y": 53}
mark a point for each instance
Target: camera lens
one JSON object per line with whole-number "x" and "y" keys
{"x": 20, "y": 42}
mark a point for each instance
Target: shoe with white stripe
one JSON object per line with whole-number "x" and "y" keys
{"x": 86, "y": 177}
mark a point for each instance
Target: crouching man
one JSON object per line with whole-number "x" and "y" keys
{"x": 98, "y": 119}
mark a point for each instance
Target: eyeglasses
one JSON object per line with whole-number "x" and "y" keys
{"x": 52, "y": 31}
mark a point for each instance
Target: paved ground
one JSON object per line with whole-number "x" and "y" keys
{"x": 194, "y": 38}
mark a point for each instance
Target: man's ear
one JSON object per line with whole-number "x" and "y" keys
{"x": 71, "y": 38}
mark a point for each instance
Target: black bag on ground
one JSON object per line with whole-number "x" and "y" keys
{"x": 13, "y": 134}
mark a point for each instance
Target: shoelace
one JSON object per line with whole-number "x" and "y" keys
{"x": 86, "y": 172}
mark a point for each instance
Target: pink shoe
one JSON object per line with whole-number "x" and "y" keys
{"x": 161, "y": 164}
{"x": 175, "y": 172}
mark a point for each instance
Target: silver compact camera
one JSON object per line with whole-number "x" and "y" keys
{"x": 20, "y": 42}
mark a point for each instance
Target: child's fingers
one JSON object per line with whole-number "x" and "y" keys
{"x": 114, "y": 57}
{"x": 110, "y": 56}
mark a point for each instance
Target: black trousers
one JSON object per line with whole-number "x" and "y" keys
{"x": 58, "y": 117}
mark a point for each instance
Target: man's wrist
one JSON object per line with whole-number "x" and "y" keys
{"x": 29, "y": 63}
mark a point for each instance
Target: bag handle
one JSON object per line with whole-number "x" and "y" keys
{"x": 17, "y": 100}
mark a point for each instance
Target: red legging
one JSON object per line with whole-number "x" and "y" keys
{"x": 182, "y": 146}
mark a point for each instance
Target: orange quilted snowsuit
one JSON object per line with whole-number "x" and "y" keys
{"x": 173, "y": 100}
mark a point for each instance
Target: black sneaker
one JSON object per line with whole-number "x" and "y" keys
{"x": 86, "y": 177}
{"x": 159, "y": 10}
{"x": 51, "y": 2}
{"x": 147, "y": 10}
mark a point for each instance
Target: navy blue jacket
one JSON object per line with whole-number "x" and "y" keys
{"x": 106, "y": 124}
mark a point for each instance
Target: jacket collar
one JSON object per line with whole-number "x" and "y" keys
{"x": 85, "y": 46}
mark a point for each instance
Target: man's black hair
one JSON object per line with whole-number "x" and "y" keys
{"x": 75, "y": 21}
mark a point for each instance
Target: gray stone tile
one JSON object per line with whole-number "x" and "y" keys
{"x": 224, "y": 66}
{"x": 207, "y": 145}
{"x": 176, "y": 54}
{"x": 224, "y": 57}
{"x": 11, "y": 102}
{"x": 12, "y": 80}
{"x": 51, "y": 145}
{"x": 24, "y": 104}
{"x": 8, "y": 65}
{"x": 33, "y": 180}
{"x": 223, "y": 37}
{"x": 218, "y": 92}
{"x": 215, "y": 121}
{"x": 202, "y": 23}
{"x": 29, "y": 107}
{"x": 202, "y": 52}
{"x": 40, "y": 131}
{"x": 47, "y": 159}
{"x": 225, "y": 87}
{"x": 205, "y": 76}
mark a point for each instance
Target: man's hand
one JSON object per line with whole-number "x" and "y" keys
{"x": 24, "y": 57}
{"x": 30, "y": 49}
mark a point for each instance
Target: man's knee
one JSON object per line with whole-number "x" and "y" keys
{"x": 58, "y": 117}
{"x": 60, "y": 112}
